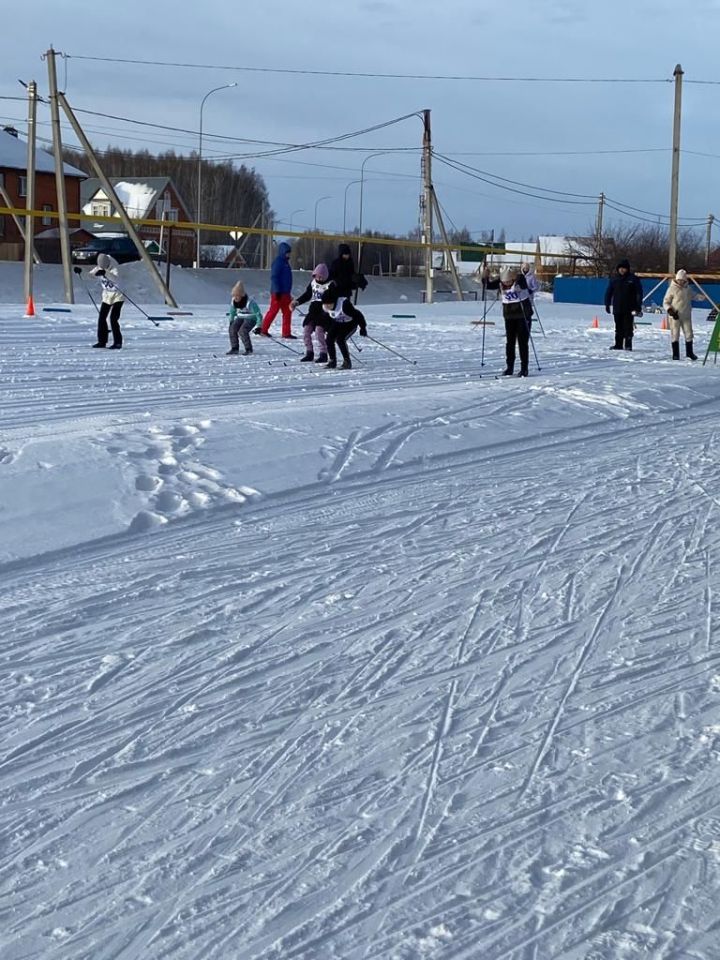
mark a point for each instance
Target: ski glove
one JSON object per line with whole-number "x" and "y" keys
{"x": 363, "y": 331}
{"x": 608, "y": 310}
{"x": 99, "y": 273}
{"x": 77, "y": 270}
{"x": 672, "y": 312}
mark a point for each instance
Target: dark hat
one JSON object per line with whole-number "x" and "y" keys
{"x": 624, "y": 263}
{"x": 344, "y": 249}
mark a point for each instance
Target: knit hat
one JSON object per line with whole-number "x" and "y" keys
{"x": 321, "y": 272}
{"x": 526, "y": 268}
{"x": 507, "y": 276}
{"x": 344, "y": 250}
{"x": 624, "y": 263}
{"x": 103, "y": 261}
{"x": 681, "y": 275}
{"x": 238, "y": 291}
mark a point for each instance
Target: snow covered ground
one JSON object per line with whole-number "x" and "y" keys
{"x": 403, "y": 662}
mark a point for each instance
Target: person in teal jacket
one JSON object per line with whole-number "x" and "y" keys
{"x": 244, "y": 315}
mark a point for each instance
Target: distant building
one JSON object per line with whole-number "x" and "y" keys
{"x": 143, "y": 198}
{"x": 14, "y": 179}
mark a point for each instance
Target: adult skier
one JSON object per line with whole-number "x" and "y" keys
{"x": 624, "y": 299}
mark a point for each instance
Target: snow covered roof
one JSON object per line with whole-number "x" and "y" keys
{"x": 137, "y": 194}
{"x": 13, "y": 156}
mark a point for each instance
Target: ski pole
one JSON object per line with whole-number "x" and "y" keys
{"x": 281, "y": 344}
{"x": 390, "y": 350}
{"x": 78, "y": 271}
{"x": 357, "y": 347}
{"x": 532, "y": 344}
{"x": 129, "y": 300}
{"x": 538, "y": 318}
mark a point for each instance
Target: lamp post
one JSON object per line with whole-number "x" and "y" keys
{"x": 317, "y": 202}
{"x": 370, "y": 156}
{"x": 352, "y": 183}
{"x": 292, "y": 215}
{"x": 225, "y": 86}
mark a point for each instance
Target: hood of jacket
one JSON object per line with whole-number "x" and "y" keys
{"x": 284, "y": 249}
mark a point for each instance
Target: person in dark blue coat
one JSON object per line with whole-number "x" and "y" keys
{"x": 624, "y": 299}
{"x": 280, "y": 293}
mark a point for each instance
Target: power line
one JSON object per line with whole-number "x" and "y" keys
{"x": 468, "y": 172}
{"x": 368, "y": 76}
{"x": 519, "y": 183}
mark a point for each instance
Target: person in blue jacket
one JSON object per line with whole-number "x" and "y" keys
{"x": 280, "y": 293}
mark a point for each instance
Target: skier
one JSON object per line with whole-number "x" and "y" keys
{"x": 342, "y": 273}
{"x": 112, "y": 302}
{"x": 625, "y": 294}
{"x": 244, "y": 316}
{"x": 678, "y": 305}
{"x": 342, "y": 320}
{"x": 513, "y": 289}
{"x": 280, "y": 293}
{"x": 315, "y": 318}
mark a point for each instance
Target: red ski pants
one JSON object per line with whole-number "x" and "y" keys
{"x": 278, "y": 302}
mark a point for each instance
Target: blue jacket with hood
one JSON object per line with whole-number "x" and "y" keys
{"x": 281, "y": 272}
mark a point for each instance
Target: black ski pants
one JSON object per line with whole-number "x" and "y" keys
{"x": 102, "y": 330}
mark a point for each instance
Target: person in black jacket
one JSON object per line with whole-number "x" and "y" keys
{"x": 624, "y": 299}
{"x": 342, "y": 319}
{"x": 342, "y": 273}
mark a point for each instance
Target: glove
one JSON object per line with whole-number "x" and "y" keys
{"x": 672, "y": 312}
{"x": 77, "y": 270}
{"x": 363, "y": 332}
{"x": 293, "y": 305}
{"x": 99, "y": 273}
{"x": 608, "y": 310}
{"x": 638, "y": 314}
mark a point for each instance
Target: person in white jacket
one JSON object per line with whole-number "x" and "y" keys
{"x": 678, "y": 305}
{"x": 112, "y": 302}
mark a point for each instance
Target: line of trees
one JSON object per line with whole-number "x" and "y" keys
{"x": 230, "y": 194}
{"x": 645, "y": 245}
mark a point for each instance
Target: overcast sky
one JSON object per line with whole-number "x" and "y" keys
{"x": 565, "y": 126}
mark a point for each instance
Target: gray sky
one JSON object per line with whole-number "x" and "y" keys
{"x": 557, "y": 38}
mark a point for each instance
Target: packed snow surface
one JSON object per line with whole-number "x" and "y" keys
{"x": 401, "y": 662}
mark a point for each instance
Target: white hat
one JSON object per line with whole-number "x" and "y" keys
{"x": 103, "y": 261}
{"x": 507, "y": 276}
{"x": 526, "y": 268}
{"x": 681, "y": 275}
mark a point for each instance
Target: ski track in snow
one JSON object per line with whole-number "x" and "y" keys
{"x": 454, "y": 695}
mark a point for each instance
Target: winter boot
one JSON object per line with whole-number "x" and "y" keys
{"x": 675, "y": 349}
{"x": 332, "y": 365}
{"x": 232, "y": 350}
{"x": 628, "y": 343}
{"x": 523, "y": 372}
{"x": 308, "y": 358}
{"x": 346, "y": 365}
{"x": 115, "y": 346}
{"x": 616, "y": 346}
{"x": 321, "y": 358}
{"x": 248, "y": 352}
{"x": 689, "y": 350}
{"x": 507, "y": 372}
{"x": 99, "y": 346}
{"x": 290, "y": 336}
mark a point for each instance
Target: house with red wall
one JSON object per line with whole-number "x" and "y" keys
{"x": 14, "y": 179}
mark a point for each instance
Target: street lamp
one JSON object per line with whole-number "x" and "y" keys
{"x": 380, "y": 153}
{"x": 225, "y": 86}
{"x": 292, "y": 215}
{"x": 318, "y": 201}
{"x": 352, "y": 183}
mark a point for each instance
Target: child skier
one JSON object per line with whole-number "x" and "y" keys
{"x": 342, "y": 320}
{"x": 315, "y": 318}
{"x": 678, "y": 305}
{"x": 244, "y": 316}
{"x": 112, "y": 302}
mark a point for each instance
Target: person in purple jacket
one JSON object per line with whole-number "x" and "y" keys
{"x": 280, "y": 293}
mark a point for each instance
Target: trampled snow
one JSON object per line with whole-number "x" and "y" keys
{"x": 401, "y": 662}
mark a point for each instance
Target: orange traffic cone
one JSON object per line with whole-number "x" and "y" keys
{"x": 664, "y": 323}
{"x": 30, "y": 308}
{"x": 595, "y": 324}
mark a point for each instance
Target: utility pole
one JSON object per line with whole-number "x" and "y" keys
{"x": 426, "y": 203}
{"x": 675, "y": 184}
{"x": 448, "y": 251}
{"x": 60, "y": 178}
{"x": 30, "y": 205}
{"x": 600, "y": 216}
{"x": 708, "y": 240}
